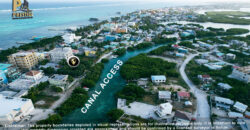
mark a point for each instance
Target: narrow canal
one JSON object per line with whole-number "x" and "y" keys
{"x": 106, "y": 100}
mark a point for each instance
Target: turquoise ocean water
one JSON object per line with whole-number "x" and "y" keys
{"x": 63, "y": 15}
{"x": 66, "y": 15}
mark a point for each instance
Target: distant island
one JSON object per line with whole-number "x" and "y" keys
{"x": 93, "y": 19}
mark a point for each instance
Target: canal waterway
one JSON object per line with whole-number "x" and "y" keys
{"x": 106, "y": 100}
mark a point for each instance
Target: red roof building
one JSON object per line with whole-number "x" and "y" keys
{"x": 183, "y": 95}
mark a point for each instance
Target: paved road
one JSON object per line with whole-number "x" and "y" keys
{"x": 40, "y": 114}
{"x": 104, "y": 56}
{"x": 203, "y": 110}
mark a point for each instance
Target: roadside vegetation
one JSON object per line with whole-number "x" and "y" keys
{"x": 143, "y": 66}
{"x": 120, "y": 52}
{"x": 230, "y": 17}
{"x": 38, "y": 93}
{"x": 78, "y": 97}
{"x": 143, "y": 45}
{"x": 131, "y": 92}
{"x": 214, "y": 32}
{"x": 115, "y": 114}
{"x": 220, "y": 76}
{"x": 92, "y": 75}
{"x": 159, "y": 51}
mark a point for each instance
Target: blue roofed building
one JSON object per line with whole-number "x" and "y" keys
{"x": 110, "y": 38}
{"x": 9, "y": 72}
{"x": 158, "y": 79}
{"x": 188, "y": 33}
{"x": 182, "y": 50}
{"x": 3, "y": 78}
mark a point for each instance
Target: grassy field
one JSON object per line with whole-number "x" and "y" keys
{"x": 49, "y": 100}
{"x": 230, "y": 17}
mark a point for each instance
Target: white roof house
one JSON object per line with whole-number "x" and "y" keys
{"x": 34, "y": 75}
{"x": 52, "y": 65}
{"x": 235, "y": 115}
{"x": 22, "y": 84}
{"x": 188, "y": 103}
{"x": 201, "y": 61}
{"x": 13, "y": 109}
{"x": 224, "y": 103}
{"x": 223, "y": 100}
{"x": 158, "y": 78}
{"x": 58, "y": 54}
{"x": 59, "y": 80}
{"x": 164, "y": 95}
{"x": 8, "y": 93}
{"x": 240, "y": 107}
{"x": 224, "y": 86}
{"x": 164, "y": 110}
{"x": 70, "y": 37}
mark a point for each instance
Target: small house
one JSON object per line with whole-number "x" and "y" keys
{"x": 224, "y": 103}
{"x": 164, "y": 109}
{"x": 224, "y": 86}
{"x": 164, "y": 95}
{"x": 240, "y": 107}
{"x": 235, "y": 115}
{"x": 181, "y": 119}
{"x": 158, "y": 79}
{"x": 183, "y": 95}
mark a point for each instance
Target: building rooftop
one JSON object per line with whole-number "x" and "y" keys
{"x": 235, "y": 115}
{"x": 59, "y": 50}
{"x": 21, "y": 54}
{"x": 21, "y": 84}
{"x": 240, "y": 106}
{"x": 224, "y": 86}
{"x": 166, "y": 108}
{"x": 181, "y": 115}
{"x": 184, "y": 94}
{"x": 9, "y": 104}
{"x": 224, "y": 100}
{"x": 8, "y": 93}
{"x": 164, "y": 94}
{"x": 245, "y": 69}
{"x": 58, "y": 77}
{"x": 158, "y": 77}
{"x": 32, "y": 73}
{"x": 52, "y": 65}
{"x": 4, "y": 66}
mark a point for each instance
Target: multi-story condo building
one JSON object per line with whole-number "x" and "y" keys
{"x": 23, "y": 60}
{"x": 241, "y": 73}
{"x": 9, "y": 72}
{"x": 58, "y": 54}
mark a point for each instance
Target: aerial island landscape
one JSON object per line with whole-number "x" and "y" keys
{"x": 179, "y": 67}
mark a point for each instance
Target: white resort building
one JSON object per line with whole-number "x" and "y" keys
{"x": 14, "y": 109}
{"x": 241, "y": 73}
{"x": 58, "y": 54}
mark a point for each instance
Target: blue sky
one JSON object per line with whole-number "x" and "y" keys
{"x": 133, "y": 0}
